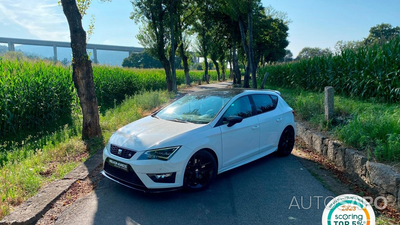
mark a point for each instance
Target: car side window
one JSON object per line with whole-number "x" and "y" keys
{"x": 265, "y": 103}
{"x": 241, "y": 107}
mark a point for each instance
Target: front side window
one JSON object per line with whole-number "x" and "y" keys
{"x": 264, "y": 103}
{"x": 241, "y": 107}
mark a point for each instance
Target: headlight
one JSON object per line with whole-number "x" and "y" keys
{"x": 107, "y": 147}
{"x": 162, "y": 153}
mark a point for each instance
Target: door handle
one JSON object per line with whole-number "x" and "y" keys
{"x": 279, "y": 120}
{"x": 255, "y": 127}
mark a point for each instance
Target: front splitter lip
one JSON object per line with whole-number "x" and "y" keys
{"x": 137, "y": 188}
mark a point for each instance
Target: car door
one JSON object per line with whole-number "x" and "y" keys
{"x": 270, "y": 120}
{"x": 240, "y": 141}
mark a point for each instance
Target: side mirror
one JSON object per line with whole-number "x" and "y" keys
{"x": 232, "y": 120}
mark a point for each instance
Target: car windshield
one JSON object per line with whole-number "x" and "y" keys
{"x": 196, "y": 108}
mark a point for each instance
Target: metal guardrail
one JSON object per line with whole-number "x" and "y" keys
{"x": 55, "y": 44}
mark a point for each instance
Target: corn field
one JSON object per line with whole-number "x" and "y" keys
{"x": 113, "y": 84}
{"x": 368, "y": 72}
{"x": 37, "y": 93}
{"x": 32, "y": 94}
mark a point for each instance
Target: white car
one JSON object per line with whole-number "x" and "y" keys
{"x": 202, "y": 134}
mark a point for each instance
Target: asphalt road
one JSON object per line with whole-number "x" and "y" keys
{"x": 271, "y": 190}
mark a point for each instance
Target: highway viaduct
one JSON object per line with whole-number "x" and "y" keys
{"x": 56, "y": 44}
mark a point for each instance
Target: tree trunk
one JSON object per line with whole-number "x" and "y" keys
{"x": 236, "y": 68}
{"x": 157, "y": 17}
{"x": 246, "y": 75}
{"x": 257, "y": 60}
{"x": 167, "y": 68}
{"x": 264, "y": 80}
{"x": 205, "y": 54}
{"x": 223, "y": 68}
{"x": 231, "y": 73}
{"x": 206, "y": 77}
{"x": 251, "y": 49}
{"x": 185, "y": 63}
{"x": 82, "y": 73}
{"x": 246, "y": 49}
{"x": 173, "y": 48}
{"x": 217, "y": 68}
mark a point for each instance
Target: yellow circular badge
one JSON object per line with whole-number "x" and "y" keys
{"x": 348, "y": 210}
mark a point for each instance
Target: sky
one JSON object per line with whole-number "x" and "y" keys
{"x": 315, "y": 23}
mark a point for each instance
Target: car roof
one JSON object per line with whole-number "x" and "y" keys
{"x": 232, "y": 92}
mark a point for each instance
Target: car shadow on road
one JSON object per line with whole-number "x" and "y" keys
{"x": 257, "y": 193}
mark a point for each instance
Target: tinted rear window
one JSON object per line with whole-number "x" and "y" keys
{"x": 265, "y": 103}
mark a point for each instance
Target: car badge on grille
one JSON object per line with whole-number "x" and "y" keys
{"x": 119, "y": 151}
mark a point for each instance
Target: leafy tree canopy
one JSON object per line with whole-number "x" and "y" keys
{"x": 382, "y": 33}
{"x": 288, "y": 56}
{"x": 309, "y": 52}
{"x": 141, "y": 60}
{"x": 340, "y": 46}
{"x": 271, "y": 38}
{"x": 146, "y": 61}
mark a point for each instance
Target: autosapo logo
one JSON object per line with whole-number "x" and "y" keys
{"x": 348, "y": 210}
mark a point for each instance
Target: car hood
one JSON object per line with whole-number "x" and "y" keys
{"x": 150, "y": 133}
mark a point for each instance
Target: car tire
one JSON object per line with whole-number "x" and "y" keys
{"x": 200, "y": 171}
{"x": 286, "y": 142}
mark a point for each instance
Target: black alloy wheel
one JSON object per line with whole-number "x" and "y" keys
{"x": 286, "y": 142}
{"x": 200, "y": 171}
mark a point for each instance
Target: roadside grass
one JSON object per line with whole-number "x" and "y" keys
{"x": 367, "y": 125}
{"x": 30, "y": 169}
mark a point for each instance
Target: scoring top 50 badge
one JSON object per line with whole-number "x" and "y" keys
{"x": 348, "y": 210}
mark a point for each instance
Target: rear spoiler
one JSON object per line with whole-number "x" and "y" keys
{"x": 278, "y": 92}
{"x": 275, "y": 91}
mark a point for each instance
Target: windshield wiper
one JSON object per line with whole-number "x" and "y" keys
{"x": 154, "y": 116}
{"x": 179, "y": 121}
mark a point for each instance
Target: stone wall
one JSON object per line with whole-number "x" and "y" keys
{"x": 378, "y": 178}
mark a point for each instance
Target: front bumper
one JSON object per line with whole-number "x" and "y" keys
{"x": 138, "y": 173}
{"x": 137, "y": 187}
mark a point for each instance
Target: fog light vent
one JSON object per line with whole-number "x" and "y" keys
{"x": 162, "y": 177}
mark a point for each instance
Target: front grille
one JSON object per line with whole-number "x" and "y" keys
{"x": 122, "y": 152}
{"x": 130, "y": 177}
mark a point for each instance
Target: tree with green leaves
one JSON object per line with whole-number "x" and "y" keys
{"x": 235, "y": 39}
{"x": 82, "y": 73}
{"x": 202, "y": 26}
{"x": 382, "y": 33}
{"x": 270, "y": 36}
{"x": 186, "y": 17}
{"x": 157, "y": 33}
{"x": 265, "y": 28}
{"x": 341, "y": 46}
{"x": 173, "y": 17}
{"x": 220, "y": 43}
{"x": 141, "y": 60}
{"x": 242, "y": 12}
{"x": 226, "y": 16}
{"x": 288, "y": 56}
{"x": 308, "y": 52}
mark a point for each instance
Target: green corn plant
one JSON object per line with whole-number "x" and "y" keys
{"x": 368, "y": 72}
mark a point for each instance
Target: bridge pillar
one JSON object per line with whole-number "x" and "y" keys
{"x": 95, "y": 56}
{"x": 11, "y": 47}
{"x": 55, "y": 53}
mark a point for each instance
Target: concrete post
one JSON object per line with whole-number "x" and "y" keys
{"x": 95, "y": 56}
{"x": 11, "y": 47}
{"x": 329, "y": 103}
{"x": 55, "y": 53}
